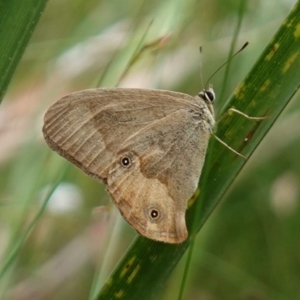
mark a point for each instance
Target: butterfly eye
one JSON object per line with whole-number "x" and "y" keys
{"x": 207, "y": 95}
{"x": 210, "y": 96}
{"x": 125, "y": 161}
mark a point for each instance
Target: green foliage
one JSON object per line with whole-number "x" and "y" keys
{"x": 18, "y": 19}
{"x": 248, "y": 246}
{"x": 267, "y": 89}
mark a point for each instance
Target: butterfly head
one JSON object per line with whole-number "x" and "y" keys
{"x": 208, "y": 96}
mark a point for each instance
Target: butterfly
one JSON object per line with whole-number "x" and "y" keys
{"x": 147, "y": 146}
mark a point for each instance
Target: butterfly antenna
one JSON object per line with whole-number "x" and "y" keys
{"x": 201, "y": 66}
{"x": 243, "y": 47}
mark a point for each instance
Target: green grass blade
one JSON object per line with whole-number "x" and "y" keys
{"x": 267, "y": 89}
{"x": 17, "y": 21}
{"x": 241, "y": 13}
{"x": 19, "y": 241}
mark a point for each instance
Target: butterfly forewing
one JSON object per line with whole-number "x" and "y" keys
{"x": 87, "y": 127}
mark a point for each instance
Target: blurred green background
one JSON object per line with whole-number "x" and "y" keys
{"x": 248, "y": 249}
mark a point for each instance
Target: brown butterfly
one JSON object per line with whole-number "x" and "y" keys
{"x": 147, "y": 146}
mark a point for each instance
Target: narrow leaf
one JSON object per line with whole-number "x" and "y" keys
{"x": 266, "y": 91}
{"x": 17, "y": 21}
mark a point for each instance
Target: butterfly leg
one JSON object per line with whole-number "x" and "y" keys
{"x": 228, "y": 147}
{"x": 233, "y": 110}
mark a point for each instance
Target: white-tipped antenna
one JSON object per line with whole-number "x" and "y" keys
{"x": 243, "y": 47}
{"x": 201, "y": 67}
